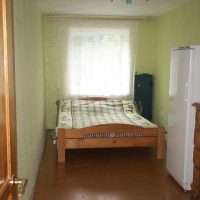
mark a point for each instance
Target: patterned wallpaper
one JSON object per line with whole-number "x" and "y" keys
{"x": 52, "y": 50}
{"x": 51, "y": 72}
{"x": 29, "y": 90}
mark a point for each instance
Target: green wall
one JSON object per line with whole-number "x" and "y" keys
{"x": 145, "y": 56}
{"x": 155, "y": 39}
{"x": 144, "y": 63}
{"x": 29, "y": 81}
{"x": 177, "y": 28}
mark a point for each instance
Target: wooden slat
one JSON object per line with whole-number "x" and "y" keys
{"x": 197, "y": 137}
{"x": 197, "y": 118}
{"x": 196, "y": 157}
{"x": 110, "y": 142}
{"x": 196, "y": 153}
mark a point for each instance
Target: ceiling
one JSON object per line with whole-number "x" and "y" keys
{"x": 106, "y": 7}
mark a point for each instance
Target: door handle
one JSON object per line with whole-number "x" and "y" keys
{"x": 21, "y": 184}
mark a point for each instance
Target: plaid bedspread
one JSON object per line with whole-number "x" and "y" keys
{"x": 85, "y": 113}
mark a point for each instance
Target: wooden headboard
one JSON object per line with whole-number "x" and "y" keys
{"x": 94, "y": 98}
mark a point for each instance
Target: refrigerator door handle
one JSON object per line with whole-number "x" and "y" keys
{"x": 186, "y": 92}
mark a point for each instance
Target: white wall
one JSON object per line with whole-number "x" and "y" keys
{"x": 29, "y": 74}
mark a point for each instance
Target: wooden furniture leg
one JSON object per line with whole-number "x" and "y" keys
{"x": 160, "y": 143}
{"x": 61, "y": 146}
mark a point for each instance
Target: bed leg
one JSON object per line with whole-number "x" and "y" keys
{"x": 160, "y": 143}
{"x": 61, "y": 146}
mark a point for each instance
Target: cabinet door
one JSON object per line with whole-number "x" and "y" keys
{"x": 144, "y": 82}
{"x": 179, "y": 137}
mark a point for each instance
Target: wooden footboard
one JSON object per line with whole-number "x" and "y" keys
{"x": 77, "y": 138}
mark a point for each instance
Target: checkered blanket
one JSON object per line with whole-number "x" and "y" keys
{"x": 85, "y": 113}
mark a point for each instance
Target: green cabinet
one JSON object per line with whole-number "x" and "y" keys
{"x": 143, "y": 94}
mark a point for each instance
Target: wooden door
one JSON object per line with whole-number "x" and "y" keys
{"x": 7, "y": 105}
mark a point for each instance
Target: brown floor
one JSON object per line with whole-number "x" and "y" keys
{"x": 105, "y": 174}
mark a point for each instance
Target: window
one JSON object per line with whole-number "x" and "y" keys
{"x": 99, "y": 62}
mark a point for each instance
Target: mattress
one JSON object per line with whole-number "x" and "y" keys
{"x": 78, "y": 114}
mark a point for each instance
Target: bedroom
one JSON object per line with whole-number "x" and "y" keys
{"x": 177, "y": 27}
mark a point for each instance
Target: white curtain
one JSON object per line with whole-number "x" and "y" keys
{"x": 95, "y": 58}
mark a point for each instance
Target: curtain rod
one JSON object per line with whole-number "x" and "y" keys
{"x": 98, "y": 17}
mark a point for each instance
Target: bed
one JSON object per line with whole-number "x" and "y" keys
{"x": 104, "y": 123}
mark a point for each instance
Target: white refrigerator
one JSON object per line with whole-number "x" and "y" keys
{"x": 184, "y": 90}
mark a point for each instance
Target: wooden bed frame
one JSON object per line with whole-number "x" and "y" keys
{"x": 72, "y": 138}
{"x": 144, "y": 137}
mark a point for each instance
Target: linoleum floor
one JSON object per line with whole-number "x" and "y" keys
{"x": 105, "y": 174}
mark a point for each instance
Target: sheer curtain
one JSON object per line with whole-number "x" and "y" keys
{"x": 95, "y": 58}
{"x": 99, "y": 62}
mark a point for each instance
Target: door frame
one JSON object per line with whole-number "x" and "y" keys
{"x": 9, "y": 190}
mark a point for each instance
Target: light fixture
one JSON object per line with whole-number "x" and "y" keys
{"x": 129, "y": 2}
